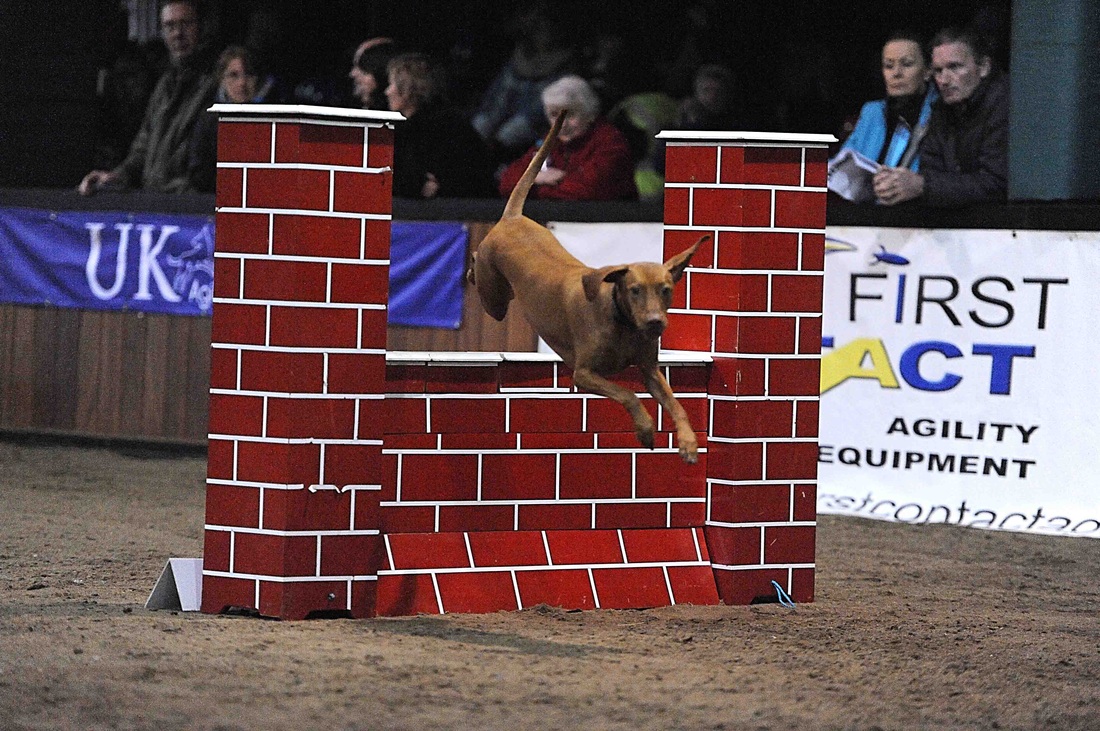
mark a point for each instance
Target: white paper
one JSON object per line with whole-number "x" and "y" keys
{"x": 851, "y": 176}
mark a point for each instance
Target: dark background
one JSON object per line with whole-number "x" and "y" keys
{"x": 802, "y": 66}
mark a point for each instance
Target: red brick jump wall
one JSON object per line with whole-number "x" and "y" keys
{"x": 345, "y": 480}
{"x": 504, "y": 487}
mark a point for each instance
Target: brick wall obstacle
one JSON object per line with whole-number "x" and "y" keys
{"x": 345, "y": 480}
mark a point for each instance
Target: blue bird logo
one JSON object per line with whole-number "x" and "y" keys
{"x": 887, "y": 257}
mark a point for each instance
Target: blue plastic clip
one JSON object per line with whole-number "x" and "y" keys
{"x": 784, "y": 597}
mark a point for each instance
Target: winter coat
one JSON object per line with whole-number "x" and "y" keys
{"x": 159, "y": 155}
{"x": 598, "y": 167}
{"x": 964, "y": 156}
{"x": 870, "y": 134}
{"x": 441, "y": 142}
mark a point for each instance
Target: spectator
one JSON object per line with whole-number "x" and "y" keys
{"x": 964, "y": 156}
{"x": 715, "y": 102}
{"x": 890, "y": 130}
{"x": 691, "y": 36}
{"x": 436, "y": 153}
{"x": 158, "y": 156}
{"x": 238, "y": 79}
{"x": 509, "y": 116}
{"x": 238, "y": 82}
{"x": 593, "y": 160}
{"x": 368, "y": 71}
{"x": 640, "y": 117}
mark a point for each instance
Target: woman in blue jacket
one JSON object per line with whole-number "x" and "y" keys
{"x": 889, "y": 130}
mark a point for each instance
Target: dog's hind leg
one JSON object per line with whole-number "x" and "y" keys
{"x": 643, "y": 422}
{"x": 492, "y": 288}
{"x": 658, "y": 387}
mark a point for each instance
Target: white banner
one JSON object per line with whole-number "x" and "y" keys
{"x": 957, "y": 378}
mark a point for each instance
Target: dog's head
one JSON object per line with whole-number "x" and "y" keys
{"x": 642, "y": 292}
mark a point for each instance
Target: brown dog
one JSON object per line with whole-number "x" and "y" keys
{"x": 598, "y": 320}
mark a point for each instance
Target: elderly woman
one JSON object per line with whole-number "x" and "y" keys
{"x": 593, "y": 160}
{"x": 436, "y": 153}
{"x": 889, "y": 130}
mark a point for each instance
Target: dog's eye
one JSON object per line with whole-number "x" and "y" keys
{"x": 635, "y": 290}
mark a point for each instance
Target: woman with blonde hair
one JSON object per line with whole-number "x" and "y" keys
{"x": 436, "y": 153}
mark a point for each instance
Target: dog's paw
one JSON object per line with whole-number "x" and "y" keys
{"x": 645, "y": 436}
{"x": 689, "y": 450}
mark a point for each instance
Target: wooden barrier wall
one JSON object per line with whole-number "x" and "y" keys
{"x": 104, "y": 374}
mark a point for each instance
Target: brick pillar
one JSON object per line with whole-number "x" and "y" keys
{"x": 752, "y": 298}
{"x": 298, "y": 360}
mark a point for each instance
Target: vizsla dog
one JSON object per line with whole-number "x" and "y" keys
{"x": 598, "y": 320}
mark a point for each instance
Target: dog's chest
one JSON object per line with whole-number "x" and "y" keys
{"x": 616, "y": 354}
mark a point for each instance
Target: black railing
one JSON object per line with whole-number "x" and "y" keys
{"x": 1034, "y": 215}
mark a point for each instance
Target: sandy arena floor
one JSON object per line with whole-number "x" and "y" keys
{"x": 913, "y": 628}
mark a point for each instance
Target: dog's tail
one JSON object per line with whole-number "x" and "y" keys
{"x": 514, "y": 207}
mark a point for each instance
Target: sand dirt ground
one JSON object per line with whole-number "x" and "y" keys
{"x": 913, "y": 628}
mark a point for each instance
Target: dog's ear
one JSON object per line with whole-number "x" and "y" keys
{"x": 677, "y": 264}
{"x": 594, "y": 278}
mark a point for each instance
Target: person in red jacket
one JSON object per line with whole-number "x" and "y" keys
{"x": 593, "y": 160}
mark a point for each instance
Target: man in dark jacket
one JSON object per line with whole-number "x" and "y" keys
{"x": 158, "y": 156}
{"x": 964, "y": 157}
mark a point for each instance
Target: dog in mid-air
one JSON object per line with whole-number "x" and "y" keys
{"x": 598, "y": 320}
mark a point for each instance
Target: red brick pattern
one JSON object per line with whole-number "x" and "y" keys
{"x": 292, "y": 525}
{"x": 450, "y": 451}
{"x": 755, "y": 304}
{"x": 507, "y": 570}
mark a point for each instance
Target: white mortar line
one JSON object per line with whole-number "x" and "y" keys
{"x": 515, "y": 587}
{"x": 438, "y": 596}
{"x": 595, "y": 594}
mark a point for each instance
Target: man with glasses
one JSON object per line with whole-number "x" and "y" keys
{"x": 158, "y": 156}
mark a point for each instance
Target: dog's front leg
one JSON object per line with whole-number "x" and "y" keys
{"x": 643, "y": 422}
{"x": 658, "y": 387}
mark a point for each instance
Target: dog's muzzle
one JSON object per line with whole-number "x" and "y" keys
{"x": 655, "y": 326}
